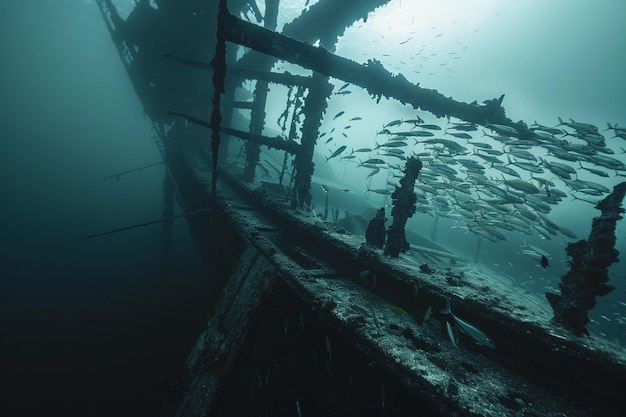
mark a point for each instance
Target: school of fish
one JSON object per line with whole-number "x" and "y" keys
{"x": 486, "y": 178}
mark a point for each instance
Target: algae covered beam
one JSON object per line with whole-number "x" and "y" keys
{"x": 277, "y": 142}
{"x": 372, "y": 76}
{"x": 283, "y": 78}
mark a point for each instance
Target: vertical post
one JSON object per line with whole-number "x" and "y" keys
{"x": 229, "y": 96}
{"x": 314, "y": 108}
{"x": 219, "y": 76}
{"x": 257, "y": 116}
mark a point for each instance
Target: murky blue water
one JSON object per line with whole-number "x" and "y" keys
{"x": 86, "y": 325}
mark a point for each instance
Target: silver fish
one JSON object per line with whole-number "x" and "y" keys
{"x": 478, "y": 336}
{"x": 337, "y": 152}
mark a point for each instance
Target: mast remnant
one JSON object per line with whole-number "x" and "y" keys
{"x": 590, "y": 260}
{"x": 404, "y": 200}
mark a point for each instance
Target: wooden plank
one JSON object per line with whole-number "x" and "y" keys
{"x": 249, "y": 285}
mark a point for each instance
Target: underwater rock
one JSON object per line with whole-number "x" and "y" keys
{"x": 590, "y": 260}
{"x": 404, "y": 199}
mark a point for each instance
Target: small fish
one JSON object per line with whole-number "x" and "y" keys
{"x": 477, "y": 335}
{"x": 343, "y": 93}
{"x": 503, "y": 129}
{"x": 397, "y": 310}
{"x": 341, "y": 113}
{"x": 594, "y": 171}
{"x": 580, "y": 127}
{"x": 382, "y": 191}
{"x": 374, "y": 161}
{"x": 392, "y": 144}
{"x": 356, "y": 118}
{"x": 415, "y": 121}
{"x": 481, "y": 145}
{"x": 460, "y": 135}
{"x": 544, "y": 262}
{"x": 429, "y": 310}
{"x": 429, "y": 127}
{"x": 466, "y": 127}
{"x": 393, "y": 123}
{"x": 528, "y": 167}
{"x": 374, "y": 172}
{"x": 418, "y": 133}
{"x": 337, "y": 152}
{"x": 506, "y": 170}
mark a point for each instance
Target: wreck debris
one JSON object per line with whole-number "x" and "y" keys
{"x": 590, "y": 260}
{"x": 404, "y": 200}
{"x": 375, "y": 232}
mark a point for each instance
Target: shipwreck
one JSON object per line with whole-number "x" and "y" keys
{"x": 312, "y": 319}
